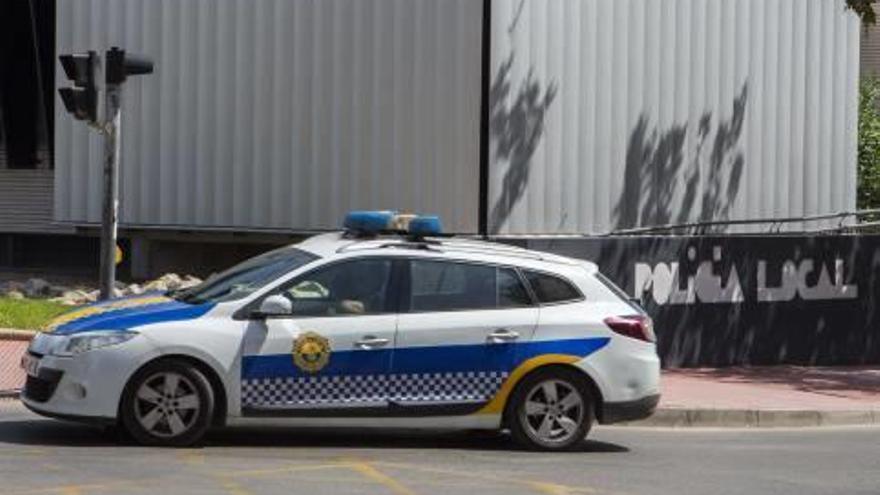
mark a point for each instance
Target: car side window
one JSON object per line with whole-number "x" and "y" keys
{"x": 449, "y": 286}
{"x": 551, "y": 289}
{"x": 356, "y": 287}
{"x": 511, "y": 291}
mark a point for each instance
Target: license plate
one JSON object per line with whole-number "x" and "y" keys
{"x": 30, "y": 364}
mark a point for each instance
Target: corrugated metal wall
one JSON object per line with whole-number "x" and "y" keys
{"x": 870, "y": 51}
{"x": 619, "y": 113}
{"x": 26, "y": 202}
{"x": 604, "y": 114}
{"x": 281, "y": 113}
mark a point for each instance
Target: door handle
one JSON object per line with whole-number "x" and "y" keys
{"x": 371, "y": 342}
{"x": 502, "y": 335}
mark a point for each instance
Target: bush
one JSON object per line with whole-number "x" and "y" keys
{"x": 869, "y": 144}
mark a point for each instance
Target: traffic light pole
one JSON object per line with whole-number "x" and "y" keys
{"x": 81, "y": 101}
{"x": 109, "y": 217}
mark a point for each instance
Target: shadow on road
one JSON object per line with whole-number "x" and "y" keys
{"x": 50, "y": 433}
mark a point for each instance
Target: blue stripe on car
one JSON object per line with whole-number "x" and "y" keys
{"x": 128, "y": 318}
{"x": 435, "y": 359}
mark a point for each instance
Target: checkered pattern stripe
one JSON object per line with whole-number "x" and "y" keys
{"x": 470, "y": 386}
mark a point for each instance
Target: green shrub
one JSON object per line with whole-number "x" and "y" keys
{"x": 869, "y": 144}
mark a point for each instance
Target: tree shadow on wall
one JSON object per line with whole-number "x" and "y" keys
{"x": 516, "y": 123}
{"x": 659, "y": 169}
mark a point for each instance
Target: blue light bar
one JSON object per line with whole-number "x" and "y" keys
{"x": 368, "y": 222}
{"x": 425, "y": 226}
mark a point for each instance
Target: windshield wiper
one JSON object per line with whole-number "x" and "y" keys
{"x": 183, "y": 295}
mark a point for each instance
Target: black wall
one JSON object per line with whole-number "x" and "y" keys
{"x": 807, "y": 316}
{"x": 27, "y": 80}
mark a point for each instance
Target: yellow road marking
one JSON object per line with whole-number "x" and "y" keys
{"x": 191, "y": 456}
{"x": 22, "y": 452}
{"x": 71, "y": 489}
{"x": 540, "y": 486}
{"x": 555, "y": 489}
{"x": 256, "y": 473}
{"x": 374, "y": 474}
{"x": 496, "y": 405}
{"x": 231, "y": 487}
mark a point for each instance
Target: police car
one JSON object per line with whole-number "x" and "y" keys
{"x": 385, "y": 324}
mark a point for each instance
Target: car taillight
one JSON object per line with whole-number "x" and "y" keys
{"x": 636, "y": 326}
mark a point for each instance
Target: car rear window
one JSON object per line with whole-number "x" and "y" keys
{"x": 552, "y": 289}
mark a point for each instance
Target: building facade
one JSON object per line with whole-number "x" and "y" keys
{"x": 512, "y": 117}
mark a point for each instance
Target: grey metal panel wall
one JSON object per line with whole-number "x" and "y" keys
{"x": 281, "y": 113}
{"x": 619, "y": 113}
{"x": 870, "y": 51}
{"x": 26, "y": 202}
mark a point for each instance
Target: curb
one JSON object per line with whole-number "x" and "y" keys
{"x": 17, "y": 335}
{"x": 754, "y": 418}
{"x": 9, "y": 394}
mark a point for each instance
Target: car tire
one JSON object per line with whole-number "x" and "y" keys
{"x": 551, "y": 410}
{"x": 168, "y": 403}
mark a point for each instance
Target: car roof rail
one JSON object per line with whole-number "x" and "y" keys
{"x": 448, "y": 244}
{"x": 477, "y": 249}
{"x": 384, "y": 243}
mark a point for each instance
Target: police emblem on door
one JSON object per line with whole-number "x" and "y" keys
{"x": 311, "y": 352}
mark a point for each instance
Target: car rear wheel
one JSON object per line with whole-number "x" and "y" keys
{"x": 551, "y": 410}
{"x": 169, "y": 403}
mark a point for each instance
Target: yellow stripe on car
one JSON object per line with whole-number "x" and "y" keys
{"x": 79, "y": 314}
{"x": 496, "y": 405}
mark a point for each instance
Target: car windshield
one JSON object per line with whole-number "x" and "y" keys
{"x": 245, "y": 278}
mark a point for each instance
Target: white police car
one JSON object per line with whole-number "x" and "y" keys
{"x": 360, "y": 328}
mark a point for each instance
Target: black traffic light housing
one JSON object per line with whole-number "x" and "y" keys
{"x": 82, "y": 99}
{"x": 120, "y": 65}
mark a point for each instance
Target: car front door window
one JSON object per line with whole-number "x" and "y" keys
{"x": 350, "y": 288}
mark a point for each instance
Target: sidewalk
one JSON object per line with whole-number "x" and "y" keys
{"x": 768, "y": 396}
{"x": 13, "y": 343}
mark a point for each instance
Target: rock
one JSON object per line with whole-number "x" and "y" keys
{"x": 14, "y": 294}
{"x": 170, "y": 281}
{"x": 93, "y": 295}
{"x": 11, "y": 286}
{"x": 36, "y": 287}
{"x": 134, "y": 290}
{"x": 56, "y": 290}
{"x": 155, "y": 286}
{"x": 190, "y": 281}
{"x": 65, "y": 301}
{"x": 74, "y": 298}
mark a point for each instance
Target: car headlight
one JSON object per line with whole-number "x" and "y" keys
{"x": 77, "y": 344}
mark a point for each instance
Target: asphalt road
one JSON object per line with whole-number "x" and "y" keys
{"x": 40, "y": 456}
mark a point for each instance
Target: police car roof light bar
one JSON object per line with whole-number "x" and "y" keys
{"x": 362, "y": 224}
{"x": 427, "y": 225}
{"x": 368, "y": 223}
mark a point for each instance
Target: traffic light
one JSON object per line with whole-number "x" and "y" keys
{"x": 120, "y": 65}
{"x": 82, "y": 99}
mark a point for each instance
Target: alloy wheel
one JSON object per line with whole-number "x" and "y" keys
{"x": 167, "y": 404}
{"x": 552, "y": 412}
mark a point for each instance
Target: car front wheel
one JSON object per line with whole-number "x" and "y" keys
{"x": 168, "y": 403}
{"x": 551, "y": 410}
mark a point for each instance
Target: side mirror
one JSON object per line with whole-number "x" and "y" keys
{"x": 276, "y": 305}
